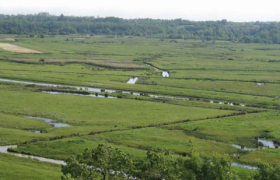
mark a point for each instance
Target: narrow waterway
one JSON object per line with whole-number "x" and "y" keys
{"x": 77, "y": 94}
{"x": 163, "y": 73}
{"x": 267, "y": 143}
{"x": 243, "y": 148}
{"x": 35, "y": 131}
{"x": 56, "y": 85}
{"x": 50, "y": 121}
{"x": 132, "y": 80}
{"x": 244, "y": 166}
{"x": 4, "y": 149}
{"x": 97, "y": 90}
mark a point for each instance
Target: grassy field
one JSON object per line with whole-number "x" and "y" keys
{"x": 266, "y": 155}
{"x": 202, "y": 71}
{"x": 135, "y": 140}
{"x": 13, "y": 168}
{"x": 16, "y": 122}
{"x": 77, "y": 110}
{"x": 235, "y": 87}
{"x": 234, "y": 130}
{"x": 248, "y": 93}
{"x": 85, "y": 114}
{"x": 241, "y": 130}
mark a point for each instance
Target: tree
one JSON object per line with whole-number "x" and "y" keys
{"x": 109, "y": 163}
{"x": 44, "y": 23}
{"x": 103, "y": 162}
{"x": 76, "y": 170}
{"x": 213, "y": 168}
{"x": 276, "y": 38}
{"x": 267, "y": 172}
{"x": 247, "y": 39}
{"x": 61, "y": 18}
{"x": 158, "y": 165}
{"x": 224, "y": 22}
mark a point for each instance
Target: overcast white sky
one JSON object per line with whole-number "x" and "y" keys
{"x": 233, "y": 10}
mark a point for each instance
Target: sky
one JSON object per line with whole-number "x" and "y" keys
{"x": 197, "y": 10}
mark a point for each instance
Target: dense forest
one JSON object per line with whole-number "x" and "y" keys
{"x": 46, "y": 24}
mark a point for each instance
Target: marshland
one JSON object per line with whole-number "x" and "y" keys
{"x": 61, "y": 94}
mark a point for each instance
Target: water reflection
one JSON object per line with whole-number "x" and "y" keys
{"x": 50, "y": 121}
{"x": 163, "y": 73}
{"x": 78, "y": 94}
{"x": 267, "y": 143}
{"x": 244, "y": 166}
{"x": 132, "y": 80}
{"x": 35, "y": 131}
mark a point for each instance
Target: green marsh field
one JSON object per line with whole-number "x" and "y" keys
{"x": 220, "y": 98}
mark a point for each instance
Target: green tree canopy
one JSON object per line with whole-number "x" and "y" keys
{"x": 110, "y": 163}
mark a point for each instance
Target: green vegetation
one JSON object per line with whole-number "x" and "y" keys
{"x": 188, "y": 115}
{"x": 85, "y": 114}
{"x": 43, "y": 23}
{"x": 84, "y": 111}
{"x": 16, "y": 122}
{"x": 107, "y": 162}
{"x": 13, "y": 168}
{"x": 129, "y": 140}
{"x": 267, "y": 171}
{"x": 64, "y": 148}
{"x": 240, "y": 130}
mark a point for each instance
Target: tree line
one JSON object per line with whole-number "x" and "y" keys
{"x": 108, "y": 163}
{"x": 45, "y": 23}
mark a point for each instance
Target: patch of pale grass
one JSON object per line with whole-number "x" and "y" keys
{"x": 17, "y": 49}
{"x": 8, "y": 39}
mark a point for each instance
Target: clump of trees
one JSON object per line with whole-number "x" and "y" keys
{"x": 111, "y": 163}
{"x": 106, "y": 162}
{"x": 45, "y": 23}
